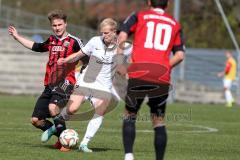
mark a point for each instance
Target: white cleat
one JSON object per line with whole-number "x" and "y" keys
{"x": 84, "y": 148}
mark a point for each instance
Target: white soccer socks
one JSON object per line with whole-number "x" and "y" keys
{"x": 92, "y": 128}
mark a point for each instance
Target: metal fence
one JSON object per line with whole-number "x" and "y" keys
{"x": 201, "y": 67}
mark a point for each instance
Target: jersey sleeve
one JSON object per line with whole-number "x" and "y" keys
{"x": 129, "y": 25}
{"x": 89, "y": 47}
{"x": 228, "y": 67}
{"x": 41, "y": 47}
{"x": 78, "y": 44}
{"x": 178, "y": 44}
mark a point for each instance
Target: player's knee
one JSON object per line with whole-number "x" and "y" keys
{"x": 129, "y": 116}
{"x": 157, "y": 121}
{"x": 35, "y": 121}
{"x": 72, "y": 110}
{"x": 100, "y": 112}
{"x": 53, "y": 109}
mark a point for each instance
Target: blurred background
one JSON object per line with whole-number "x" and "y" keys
{"x": 206, "y": 36}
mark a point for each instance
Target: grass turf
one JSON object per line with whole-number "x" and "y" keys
{"x": 195, "y": 132}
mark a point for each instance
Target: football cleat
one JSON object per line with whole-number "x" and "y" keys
{"x": 85, "y": 149}
{"x": 229, "y": 104}
{"x": 57, "y": 145}
{"x": 46, "y": 135}
{"x": 63, "y": 149}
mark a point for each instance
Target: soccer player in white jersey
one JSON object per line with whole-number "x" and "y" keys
{"x": 96, "y": 79}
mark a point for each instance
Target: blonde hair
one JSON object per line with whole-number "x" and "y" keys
{"x": 108, "y": 22}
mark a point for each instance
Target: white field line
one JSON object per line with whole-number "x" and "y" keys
{"x": 196, "y": 128}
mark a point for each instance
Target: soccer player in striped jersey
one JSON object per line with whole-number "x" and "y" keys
{"x": 59, "y": 80}
{"x": 156, "y": 36}
{"x": 229, "y": 75}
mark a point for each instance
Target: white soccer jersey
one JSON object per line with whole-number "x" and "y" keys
{"x": 100, "y": 71}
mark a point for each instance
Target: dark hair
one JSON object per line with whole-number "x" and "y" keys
{"x": 159, "y": 3}
{"x": 57, "y": 14}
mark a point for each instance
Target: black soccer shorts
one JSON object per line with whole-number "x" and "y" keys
{"x": 157, "y": 95}
{"x": 58, "y": 95}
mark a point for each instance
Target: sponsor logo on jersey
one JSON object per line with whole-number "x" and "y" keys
{"x": 104, "y": 60}
{"x": 66, "y": 44}
{"x": 58, "y": 49}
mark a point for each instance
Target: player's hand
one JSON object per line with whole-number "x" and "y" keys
{"x": 220, "y": 74}
{"x": 12, "y": 31}
{"x": 61, "y": 61}
{"x": 121, "y": 69}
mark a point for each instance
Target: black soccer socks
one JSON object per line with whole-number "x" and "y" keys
{"x": 128, "y": 133}
{"x": 160, "y": 142}
{"x": 59, "y": 124}
{"x": 45, "y": 125}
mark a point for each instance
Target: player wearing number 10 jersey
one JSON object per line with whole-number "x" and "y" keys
{"x": 156, "y": 35}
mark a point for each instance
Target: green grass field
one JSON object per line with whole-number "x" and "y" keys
{"x": 195, "y": 132}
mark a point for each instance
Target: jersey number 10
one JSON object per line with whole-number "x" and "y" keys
{"x": 162, "y": 36}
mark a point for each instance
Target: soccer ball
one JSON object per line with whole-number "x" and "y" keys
{"x": 69, "y": 138}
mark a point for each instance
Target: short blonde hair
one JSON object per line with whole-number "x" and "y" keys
{"x": 108, "y": 22}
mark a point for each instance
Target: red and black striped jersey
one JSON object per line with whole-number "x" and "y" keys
{"x": 59, "y": 48}
{"x": 156, "y": 35}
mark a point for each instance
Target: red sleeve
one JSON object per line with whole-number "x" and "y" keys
{"x": 227, "y": 67}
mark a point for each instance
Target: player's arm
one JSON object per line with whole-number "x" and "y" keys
{"x": 25, "y": 42}
{"x": 126, "y": 29}
{"x": 120, "y": 68}
{"x": 72, "y": 58}
{"x": 178, "y": 49}
{"x": 225, "y": 71}
{"x": 220, "y": 74}
{"x": 177, "y": 58}
{"x": 77, "y": 46}
{"x": 122, "y": 38}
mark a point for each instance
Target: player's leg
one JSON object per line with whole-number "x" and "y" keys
{"x": 41, "y": 112}
{"x": 158, "y": 105}
{"x": 95, "y": 123}
{"x": 42, "y": 124}
{"x": 136, "y": 93}
{"x": 129, "y": 128}
{"x": 58, "y": 99}
{"x": 227, "y": 92}
{"x": 59, "y": 118}
{"x": 53, "y": 129}
{"x": 230, "y": 86}
{"x": 60, "y": 95}
{"x": 72, "y": 106}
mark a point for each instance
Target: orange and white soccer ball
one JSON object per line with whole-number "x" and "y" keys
{"x": 69, "y": 138}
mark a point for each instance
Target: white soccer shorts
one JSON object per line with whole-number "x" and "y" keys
{"x": 227, "y": 83}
